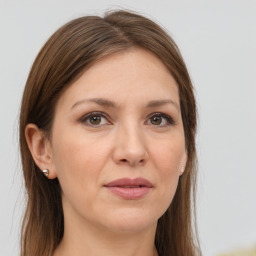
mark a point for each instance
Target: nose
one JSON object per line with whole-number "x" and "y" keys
{"x": 130, "y": 147}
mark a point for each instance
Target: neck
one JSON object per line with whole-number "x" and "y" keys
{"x": 89, "y": 239}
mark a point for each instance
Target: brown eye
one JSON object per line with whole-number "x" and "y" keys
{"x": 95, "y": 120}
{"x": 156, "y": 120}
{"x": 161, "y": 120}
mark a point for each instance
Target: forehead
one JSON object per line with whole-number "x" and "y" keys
{"x": 128, "y": 76}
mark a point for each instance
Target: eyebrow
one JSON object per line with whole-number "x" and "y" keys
{"x": 99, "y": 101}
{"x": 110, "y": 104}
{"x": 158, "y": 103}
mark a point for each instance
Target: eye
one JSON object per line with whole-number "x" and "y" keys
{"x": 95, "y": 119}
{"x": 160, "y": 119}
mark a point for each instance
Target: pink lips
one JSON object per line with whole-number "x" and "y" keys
{"x": 130, "y": 188}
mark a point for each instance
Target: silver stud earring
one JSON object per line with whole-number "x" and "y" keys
{"x": 182, "y": 168}
{"x": 46, "y": 172}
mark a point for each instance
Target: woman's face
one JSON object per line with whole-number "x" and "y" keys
{"x": 118, "y": 143}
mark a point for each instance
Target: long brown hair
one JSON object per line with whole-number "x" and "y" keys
{"x": 70, "y": 50}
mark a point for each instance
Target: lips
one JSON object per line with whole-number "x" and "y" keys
{"x": 130, "y": 188}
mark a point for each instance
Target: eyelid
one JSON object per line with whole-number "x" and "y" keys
{"x": 168, "y": 118}
{"x": 95, "y": 113}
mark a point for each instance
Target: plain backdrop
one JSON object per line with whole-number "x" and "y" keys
{"x": 218, "y": 42}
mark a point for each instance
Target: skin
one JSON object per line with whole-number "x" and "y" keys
{"x": 85, "y": 154}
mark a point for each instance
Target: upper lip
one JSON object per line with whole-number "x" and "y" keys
{"x": 127, "y": 182}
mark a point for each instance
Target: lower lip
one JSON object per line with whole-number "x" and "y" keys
{"x": 130, "y": 193}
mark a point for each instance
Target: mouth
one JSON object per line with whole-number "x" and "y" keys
{"x": 131, "y": 189}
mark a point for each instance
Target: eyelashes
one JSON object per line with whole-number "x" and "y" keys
{"x": 98, "y": 119}
{"x": 160, "y": 119}
{"x": 95, "y": 119}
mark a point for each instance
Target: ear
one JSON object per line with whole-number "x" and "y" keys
{"x": 183, "y": 163}
{"x": 40, "y": 149}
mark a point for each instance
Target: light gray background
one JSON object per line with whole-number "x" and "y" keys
{"x": 218, "y": 41}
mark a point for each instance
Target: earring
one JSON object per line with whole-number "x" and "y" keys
{"x": 46, "y": 172}
{"x": 182, "y": 168}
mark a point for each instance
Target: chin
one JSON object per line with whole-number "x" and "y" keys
{"x": 130, "y": 221}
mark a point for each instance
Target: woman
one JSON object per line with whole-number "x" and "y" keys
{"x": 107, "y": 139}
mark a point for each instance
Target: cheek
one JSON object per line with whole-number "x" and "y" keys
{"x": 76, "y": 152}
{"x": 79, "y": 164}
{"x": 167, "y": 159}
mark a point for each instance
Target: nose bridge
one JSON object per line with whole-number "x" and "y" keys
{"x": 134, "y": 137}
{"x": 130, "y": 146}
